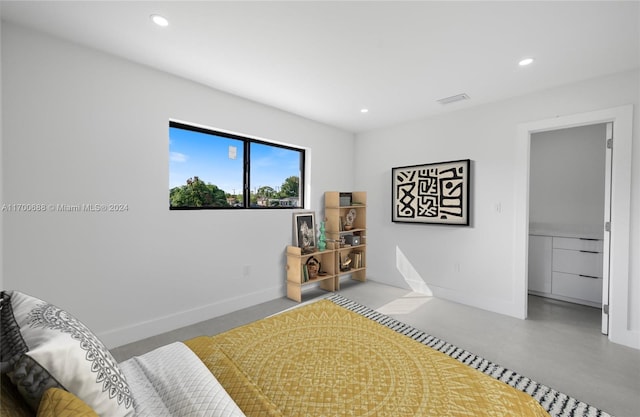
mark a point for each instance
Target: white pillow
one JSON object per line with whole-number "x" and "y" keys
{"x": 44, "y": 346}
{"x": 172, "y": 381}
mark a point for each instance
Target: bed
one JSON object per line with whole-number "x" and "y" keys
{"x": 331, "y": 357}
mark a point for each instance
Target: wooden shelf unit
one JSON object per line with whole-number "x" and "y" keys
{"x": 335, "y": 215}
{"x": 331, "y": 258}
{"x": 296, "y": 262}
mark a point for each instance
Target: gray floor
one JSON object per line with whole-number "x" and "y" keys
{"x": 559, "y": 345}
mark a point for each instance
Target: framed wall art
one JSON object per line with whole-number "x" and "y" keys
{"x": 431, "y": 193}
{"x": 304, "y": 230}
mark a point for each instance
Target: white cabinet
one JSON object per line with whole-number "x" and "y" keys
{"x": 566, "y": 268}
{"x": 540, "y": 263}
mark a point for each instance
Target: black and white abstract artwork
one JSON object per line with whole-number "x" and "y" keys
{"x": 431, "y": 193}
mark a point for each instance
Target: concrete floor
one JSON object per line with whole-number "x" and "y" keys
{"x": 559, "y": 345}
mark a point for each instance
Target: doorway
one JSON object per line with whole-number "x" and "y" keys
{"x": 568, "y": 194}
{"x": 619, "y": 303}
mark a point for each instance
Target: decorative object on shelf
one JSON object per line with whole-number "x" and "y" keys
{"x": 304, "y": 227}
{"x": 351, "y": 217}
{"x": 322, "y": 238}
{"x": 357, "y": 259}
{"x": 431, "y": 193}
{"x": 345, "y": 199}
{"x": 313, "y": 266}
{"x": 353, "y": 240}
{"x": 345, "y": 263}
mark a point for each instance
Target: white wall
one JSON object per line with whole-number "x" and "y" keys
{"x": 567, "y": 179}
{"x": 475, "y": 264}
{"x": 1, "y": 171}
{"x": 81, "y": 126}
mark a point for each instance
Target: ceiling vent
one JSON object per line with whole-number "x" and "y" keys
{"x": 453, "y": 99}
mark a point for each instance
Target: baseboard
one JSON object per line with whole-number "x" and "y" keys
{"x": 142, "y": 330}
{"x": 624, "y": 336}
{"x": 508, "y": 308}
{"x": 567, "y": 299}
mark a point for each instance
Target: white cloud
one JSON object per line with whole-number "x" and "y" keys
{"x": 178, "y": 157}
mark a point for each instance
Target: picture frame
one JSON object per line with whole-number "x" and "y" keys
{"x": 435, "y": 193}
{"x": 304, "y": 229}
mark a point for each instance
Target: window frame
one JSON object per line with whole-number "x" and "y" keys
{"x": 246, "y": 174}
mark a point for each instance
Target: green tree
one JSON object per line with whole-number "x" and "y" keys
{"x": 197, "y": 194}
{"x": 290, "y": 187}
{"x": 265, "y": 191}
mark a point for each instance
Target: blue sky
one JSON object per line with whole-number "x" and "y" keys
{"x": 210, "y": 158}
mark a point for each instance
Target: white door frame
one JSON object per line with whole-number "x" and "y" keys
{"x": 622, "y": 118}
{"x": 606, "y": 244}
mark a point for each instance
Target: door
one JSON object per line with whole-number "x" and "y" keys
{"x": 621, "y": 300}
{"x": 570, "y": 193}
{"x": 607, "y": 227}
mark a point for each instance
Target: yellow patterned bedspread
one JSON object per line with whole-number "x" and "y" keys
{"x": 322, "y": 360}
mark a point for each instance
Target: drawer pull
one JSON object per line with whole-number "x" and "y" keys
{"x": 588, "y": 251}
{"x": 588, "y": 276}
{"x": 586, "y": 238}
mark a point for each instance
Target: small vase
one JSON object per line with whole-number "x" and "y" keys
{"x": 322, "y": 239}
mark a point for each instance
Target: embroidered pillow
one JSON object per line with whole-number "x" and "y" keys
{"x": 43, "y": 346}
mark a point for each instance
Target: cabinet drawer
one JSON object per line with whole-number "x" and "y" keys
{"x": 579, "y": 263}
{"x": 575, "y": 286}
{"x": 577, "y": 244}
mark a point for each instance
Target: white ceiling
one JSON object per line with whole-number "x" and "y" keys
{"x": 326, "y": 60}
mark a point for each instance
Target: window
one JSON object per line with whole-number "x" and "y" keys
{"x": 209, "y": 169}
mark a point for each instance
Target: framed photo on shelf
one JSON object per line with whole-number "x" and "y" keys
{"x": 431, "y": 193}
{"x": 304, "y": 229}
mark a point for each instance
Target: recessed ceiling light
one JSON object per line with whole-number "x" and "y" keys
{"x": 525, "y": 62}
{"x": 364, "y": 110}
{"x": 160, "y": 20}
